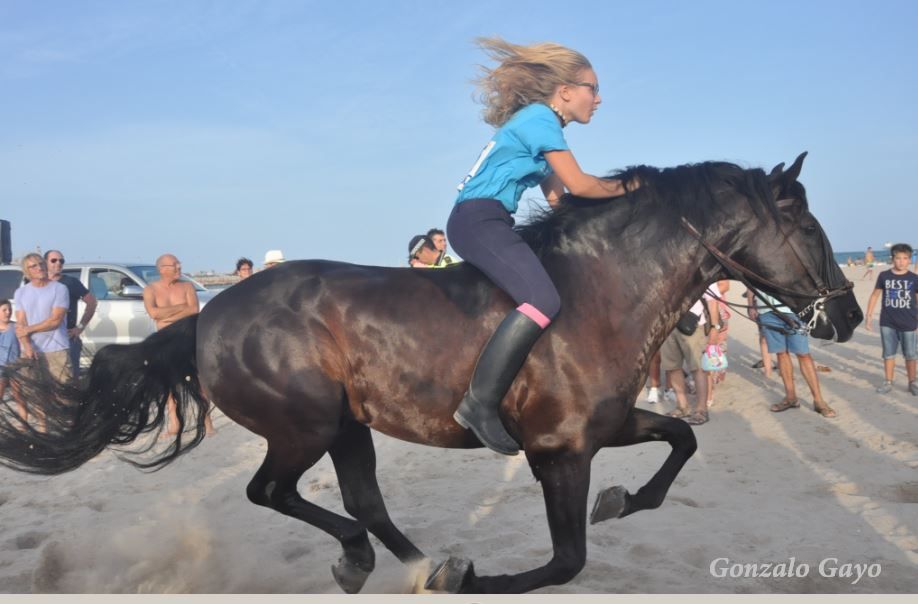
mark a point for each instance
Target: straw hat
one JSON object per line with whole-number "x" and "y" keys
{"x": 274, "y": 257}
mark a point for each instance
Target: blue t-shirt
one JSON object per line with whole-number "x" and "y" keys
{"x": 37, "y": 303}
{"x": 899, "y": 310}
{"x": 514, "y": 160}
{"x": 9, "y": 345}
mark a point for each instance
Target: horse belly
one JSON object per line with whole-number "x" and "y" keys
{"x": 407, "y": 403}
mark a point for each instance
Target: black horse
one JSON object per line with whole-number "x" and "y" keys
{"x": 333, "y": 350}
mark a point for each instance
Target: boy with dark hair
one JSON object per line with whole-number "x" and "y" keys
{"x": 898, "y": 316}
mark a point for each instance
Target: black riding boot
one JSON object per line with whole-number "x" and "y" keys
{"x": 498, "y": 364}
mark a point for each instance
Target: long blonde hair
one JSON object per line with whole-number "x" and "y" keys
{"x": 525, "y": 75}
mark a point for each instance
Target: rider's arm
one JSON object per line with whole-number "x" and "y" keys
{"x": 553, "y": 189}
{"x": 579, "y": 183}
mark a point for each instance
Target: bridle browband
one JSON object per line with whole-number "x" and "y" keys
{"x": 745, "y": 275}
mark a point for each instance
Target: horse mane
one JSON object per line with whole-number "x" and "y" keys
{"x": 694, "y": 191}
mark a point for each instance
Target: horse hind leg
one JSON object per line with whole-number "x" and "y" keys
{"x": 274, "y": 486}
{"x": 354, "y": 458}
{"x": 645, "y": 426}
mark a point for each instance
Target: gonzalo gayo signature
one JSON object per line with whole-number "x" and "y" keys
{"x": 723, "y": 568}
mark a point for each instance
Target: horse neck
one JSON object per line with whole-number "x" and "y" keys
{"x": 646, "y": 276}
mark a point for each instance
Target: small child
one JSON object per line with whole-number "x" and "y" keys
{"x": 898, "y": 316}
{"x": 9, "y": 345}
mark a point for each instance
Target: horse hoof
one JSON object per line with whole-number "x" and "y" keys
{"x": 450, "y": 576}
{"x": 610, "y": 503}
{"x": 349, "y": 576}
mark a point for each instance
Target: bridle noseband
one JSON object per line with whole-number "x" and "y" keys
{"x": 745, "y": 275}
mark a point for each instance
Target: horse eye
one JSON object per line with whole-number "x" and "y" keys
{"x": 810, "y": 229}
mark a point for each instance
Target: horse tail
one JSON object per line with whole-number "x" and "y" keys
{"x": 124, "y": 398}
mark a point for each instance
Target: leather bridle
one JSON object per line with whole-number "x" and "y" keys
{"x": 823, "y": 293}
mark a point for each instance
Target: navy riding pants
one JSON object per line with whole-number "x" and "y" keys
{"x": 481, "y": 231}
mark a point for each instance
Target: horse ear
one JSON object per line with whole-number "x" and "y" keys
{"x": 780, "y": 181}
{"x": 794, "y": 171}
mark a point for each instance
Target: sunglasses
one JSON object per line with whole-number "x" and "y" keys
{"x": 56, "y": 260}
{"x": 594, "y": 88}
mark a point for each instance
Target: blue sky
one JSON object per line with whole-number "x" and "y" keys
{"x": 340, "y": 129}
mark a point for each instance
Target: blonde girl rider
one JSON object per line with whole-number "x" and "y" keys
{"x": 532, "y": 94}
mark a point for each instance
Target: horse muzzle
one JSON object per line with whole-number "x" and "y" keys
{"x": 839, "y": 319}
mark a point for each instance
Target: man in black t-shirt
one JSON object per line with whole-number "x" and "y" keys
{"x": 77, "y": 291}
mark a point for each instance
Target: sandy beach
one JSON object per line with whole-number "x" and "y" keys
{"x": 763, "y": 488}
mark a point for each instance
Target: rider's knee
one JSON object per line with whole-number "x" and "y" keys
{"x": 550, "y": 304}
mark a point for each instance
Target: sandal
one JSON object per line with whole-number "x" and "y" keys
{"x": 677, "y": 413}
{"x": 824, "y": 410}
{"x": 784, "y": 405}
{"x": 697, "y": 418}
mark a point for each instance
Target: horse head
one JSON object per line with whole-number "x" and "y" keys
{"x": 792, "y": 260}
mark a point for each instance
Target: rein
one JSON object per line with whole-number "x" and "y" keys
{"x": 746, "y": 276}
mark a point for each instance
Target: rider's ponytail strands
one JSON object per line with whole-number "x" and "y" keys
{"x": 535, "y": 314}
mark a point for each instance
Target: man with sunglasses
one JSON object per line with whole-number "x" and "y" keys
{"x": 76, "y": 292}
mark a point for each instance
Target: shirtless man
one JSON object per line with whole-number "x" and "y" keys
{"x": 167, "y": 301}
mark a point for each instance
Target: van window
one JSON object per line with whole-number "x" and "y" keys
{"x": 107, "y": 284}
{"x": 9, "y": 283}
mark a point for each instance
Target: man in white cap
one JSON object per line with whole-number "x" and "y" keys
{"x": 273, "y": 258}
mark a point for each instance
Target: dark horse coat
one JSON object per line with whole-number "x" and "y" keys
{"x": 333, "y": 350}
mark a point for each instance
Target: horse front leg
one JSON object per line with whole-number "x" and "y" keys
{"x": 565, "y": 481}
{"x": 645, "y": 426}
